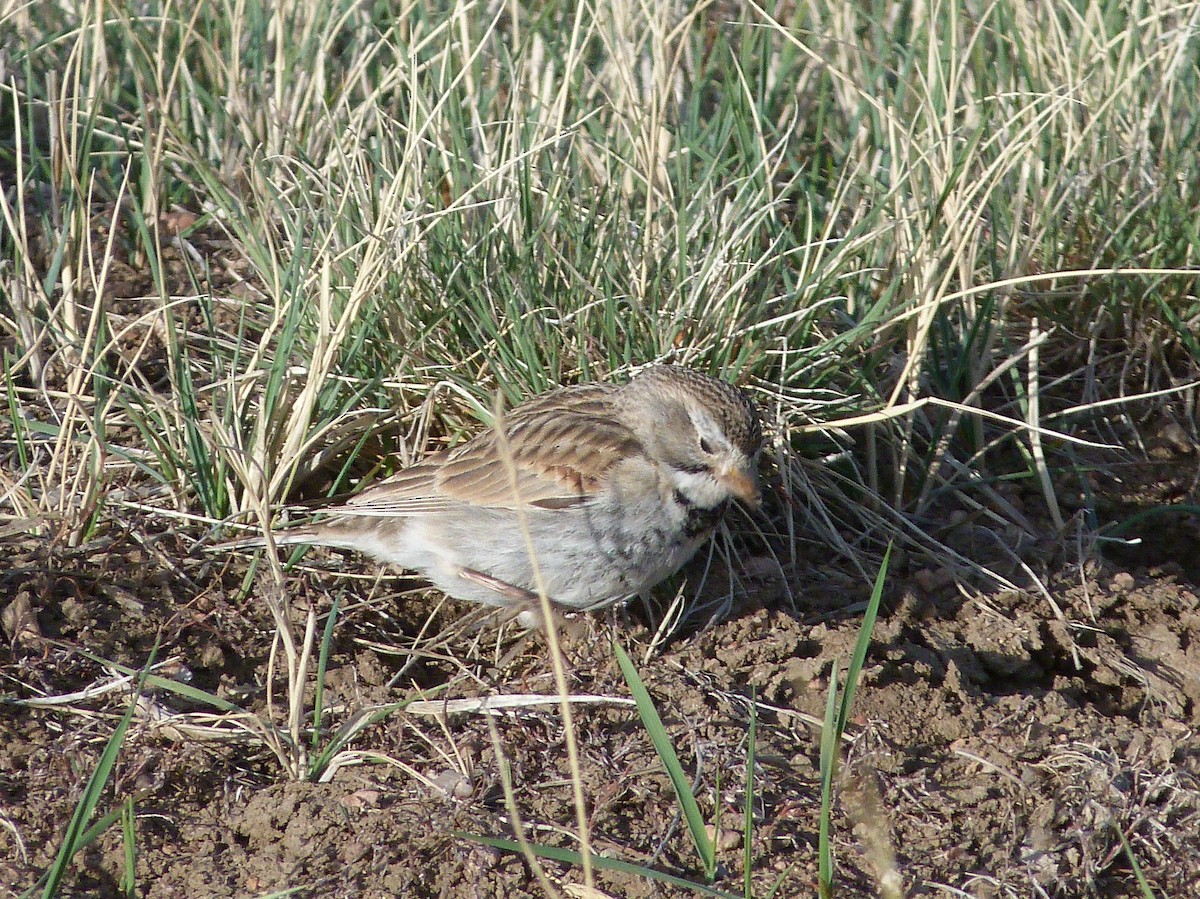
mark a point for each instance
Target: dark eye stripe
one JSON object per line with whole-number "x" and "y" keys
{"x": 697, "y": 468}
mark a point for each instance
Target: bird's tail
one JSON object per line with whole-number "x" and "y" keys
{"x": 340, "y": 535}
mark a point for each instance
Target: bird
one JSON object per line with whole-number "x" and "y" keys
{"x": 593, "y": 493}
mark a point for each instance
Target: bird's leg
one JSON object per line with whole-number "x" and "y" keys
{"x": 504, "y": 588}
{"x": 526, "y": 600}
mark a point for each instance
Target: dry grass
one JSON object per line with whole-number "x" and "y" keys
{"x": 252, "y": 258}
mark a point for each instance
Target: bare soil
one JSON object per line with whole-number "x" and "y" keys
{"x": 997, "y": 748}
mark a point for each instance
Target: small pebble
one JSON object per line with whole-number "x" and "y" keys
{"x": 1122, "y": 582}
{"x": 455, "y": 784}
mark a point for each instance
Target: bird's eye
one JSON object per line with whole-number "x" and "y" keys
{"x": 705, "y": 446}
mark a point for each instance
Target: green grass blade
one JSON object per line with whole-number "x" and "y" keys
{"x": 16, "y": 416}
{"x": 748, "y": 821}
{"x": 1143, "y": 884}
{"x": 837, "y": 714}
{"x": 779, "y": 881}
{"x": 93, "y": 833}
{"x": 322, "y": 664}
{"x": 829, "y": 755}
{"x": 158, "y": 682}
{"x": 129, "y": 842}
{"x": 571, "y": 857}
{"x": 357, "y": 725}
{"x": 666, "y": 752}
{"x": 1120, "y": 527}
{"x": 862, "y": 645}
{"x": 77, "y": 832}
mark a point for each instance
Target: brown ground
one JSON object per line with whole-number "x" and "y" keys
{"x": 994, "y": 749}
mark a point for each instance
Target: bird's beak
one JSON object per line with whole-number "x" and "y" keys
{"x": 744, "y": 486}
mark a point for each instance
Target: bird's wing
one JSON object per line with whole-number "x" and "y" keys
{"x": 560, "y": 445}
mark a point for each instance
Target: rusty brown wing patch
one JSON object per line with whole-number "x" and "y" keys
{"x": 562, "y": 446}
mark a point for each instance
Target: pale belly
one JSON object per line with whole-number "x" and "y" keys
{"x": 583, "y": 557}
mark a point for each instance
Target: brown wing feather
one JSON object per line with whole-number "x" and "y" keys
{"x": 563, "y": 443}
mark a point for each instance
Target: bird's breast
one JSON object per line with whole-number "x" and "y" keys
{"x": 698, "y": 520}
